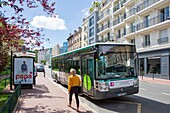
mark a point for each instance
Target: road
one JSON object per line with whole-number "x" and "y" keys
{"x": 152, "y": 98}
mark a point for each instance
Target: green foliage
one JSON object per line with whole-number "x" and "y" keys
{"x": 3, "y": 99}
{"x": 55, "y": 69}
{"x": 36, "y": 57}
{"x": 91, "y": 9}
{"x": 5, "y": 72}
{"x": 95, "y": 4}
{"x": 3, "y": 84}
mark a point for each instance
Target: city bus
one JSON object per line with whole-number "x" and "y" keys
{"x": 106, "y": 70}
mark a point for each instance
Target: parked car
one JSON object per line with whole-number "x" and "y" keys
{"x": 40, "y": 68}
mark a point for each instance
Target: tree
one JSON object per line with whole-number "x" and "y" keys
{"x": 17, "y": 27}
{"x": 15, "y": 30}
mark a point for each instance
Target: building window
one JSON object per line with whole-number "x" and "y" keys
{"x": 163, "y": 33}
{"x": 146, "y": 40}
{"x": 146, "y": 21}
{"x": 91, "y": 41}
{"x": 132, "y": 41}
{"x": 91, "y": 32}
{"x": 163, "y": 36}
{"x": 132, "y": 27}
{"x": 119, "y": 33}
{"x": 108, "y": 36}
{"x": 91, "y": 21}
{"x": 164, "y": 14}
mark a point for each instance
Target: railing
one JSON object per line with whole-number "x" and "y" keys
{"x": 146, "y": 4}
{"x": 158, "y": 19}
{"x": 103, "y": 27}
{"x": 105, "y": 3}
{"x": 105, "y": 39}
{"x": 104, "y": 14}
{"x": 147, "y": 43}
{"x": 131, "y": 30}
{"x": 118, "y": 6}
{"x": 123, "y": 34}
{"x": 162, "y": 40}
{"x": 117, "y": 21}
{"x": 12, "y": 100}
{"x": 131, "y": 12}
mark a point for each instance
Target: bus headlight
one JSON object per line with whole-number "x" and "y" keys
{"x": 103, "y": 86}
{"x": 136, "y": 82}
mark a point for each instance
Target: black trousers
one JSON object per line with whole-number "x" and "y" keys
{"x": 74, "y": 90}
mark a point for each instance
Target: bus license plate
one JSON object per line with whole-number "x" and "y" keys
{"x": 121, "y": 94}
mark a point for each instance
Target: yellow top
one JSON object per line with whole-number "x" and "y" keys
{"x": 73, "y": 81}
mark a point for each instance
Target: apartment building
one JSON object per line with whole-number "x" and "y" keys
{"x": 104, "y": 23}
{"x": 84, "y": 38}
{"x": 70, "y": 42}
{"x": 146, "y": 23}
{"x": 74, "y": 41}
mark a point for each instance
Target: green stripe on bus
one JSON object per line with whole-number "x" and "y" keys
{"x": 87, "y": 82}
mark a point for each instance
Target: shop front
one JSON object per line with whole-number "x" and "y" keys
{"x": 155, "y": 64}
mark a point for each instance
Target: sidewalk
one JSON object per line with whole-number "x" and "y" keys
{"x": 155, "y": 80}
{"x": 46, "y": 97}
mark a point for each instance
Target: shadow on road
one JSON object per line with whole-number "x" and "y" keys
{"x": 128, "y": 104}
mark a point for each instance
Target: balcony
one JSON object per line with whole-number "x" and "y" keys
{"x": 123, "y": 34}
{"x": 153, "y": 22}
{"x": 128, "y": 2}
{"x": 118, "y": 20}
{"x": 105, "y": 4}
{"x": 118, "y": 6}
{"x": 106, "y": 39}
{"x": 130, "y": 14}
{"x": 162, "y": 40}
{"x": 130, "y": 32}
{"x": 146, "y": 43}
{"x": 146, "y": 4}
{"x": 104, "y": 16}
{"x": 103, "y": 29}
{"x": 149, "y": 6}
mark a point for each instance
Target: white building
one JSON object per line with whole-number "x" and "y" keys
{"x": 41, "y": 55}
{"x": 146, "y": 23}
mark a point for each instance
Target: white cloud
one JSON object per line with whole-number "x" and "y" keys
{"x": 85, "y": 12}
{"x": 52, "y": 23}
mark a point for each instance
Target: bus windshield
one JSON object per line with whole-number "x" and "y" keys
{"x": 116, "y": 62}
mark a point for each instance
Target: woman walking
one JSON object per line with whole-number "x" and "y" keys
{"x": 73, "y": 87}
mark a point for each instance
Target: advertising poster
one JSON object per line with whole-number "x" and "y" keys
{"x": 23, "y": 70}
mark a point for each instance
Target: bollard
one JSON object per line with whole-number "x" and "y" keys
{"x": 153, "y": 76}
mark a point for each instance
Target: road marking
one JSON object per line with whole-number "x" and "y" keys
{"x": 139, "y": 108}
{"x": 139, "y": 105}
{"x": 166, "y": 94}
{"x": 143, "y": 89}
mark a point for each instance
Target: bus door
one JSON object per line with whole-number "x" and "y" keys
{"x": 87, "y": 67}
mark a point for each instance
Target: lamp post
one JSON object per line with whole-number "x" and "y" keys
{"x": 11, "y": 71}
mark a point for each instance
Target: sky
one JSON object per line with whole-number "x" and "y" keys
{"x": 69, "y": 16}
